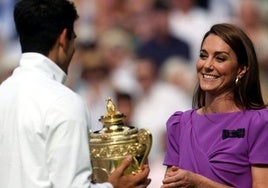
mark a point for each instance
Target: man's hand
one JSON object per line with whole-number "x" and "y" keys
{"x": 120, "y": 180}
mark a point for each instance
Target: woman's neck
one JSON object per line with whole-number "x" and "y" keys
{"x": 219, "y": 104}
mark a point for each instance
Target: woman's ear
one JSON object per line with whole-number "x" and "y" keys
{"x": 242, "y": 71}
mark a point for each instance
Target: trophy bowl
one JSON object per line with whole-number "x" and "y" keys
{"x": 110, "y": 145}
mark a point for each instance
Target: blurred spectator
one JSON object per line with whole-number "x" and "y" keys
{"x": 94, "y": 86}
{"x": 250, "y": 20}
{"x": 223, "y": 11}
{"x": 86, "y": 24}
{"x": 138, "y": 20}
{"x": 87, "y": 10}
{"x": 7, "y": 26}
{"x": 135, "y": 7}
{"x": 125, "y": 104}
{"x": 8, "y": 62}
{"x": 163, "y": 45}
{"x": 263, "y": 5}
{"x": 156, "y": 100}
{"x": 180, "y": 74}
{"x": 9, "y": 45}
{"x": 189, "y": 22}
{"x": 117, "y": 52}
{"x": 152, "y": 108}
{"x": 109, "y": 13}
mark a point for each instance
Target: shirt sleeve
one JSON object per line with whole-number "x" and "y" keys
{"x": 67, "y": 148}
{"x": 258, "y": 138}
{"x": 172, "y": 141}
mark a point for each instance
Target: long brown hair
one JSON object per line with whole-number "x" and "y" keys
{"x": 247, "y": 94}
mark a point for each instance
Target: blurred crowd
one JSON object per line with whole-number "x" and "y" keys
{"x": 142, "y": 54}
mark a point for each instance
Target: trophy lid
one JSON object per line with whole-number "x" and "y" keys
{"x": 113, "y": 119}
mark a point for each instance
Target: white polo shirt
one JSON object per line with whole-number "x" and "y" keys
{"x": 43, "y": 129}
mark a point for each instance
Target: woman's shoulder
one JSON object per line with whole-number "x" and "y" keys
{"x": 263, "y": 111}
{"x": 258, "y": 115}
{"x": 176, "y": 118}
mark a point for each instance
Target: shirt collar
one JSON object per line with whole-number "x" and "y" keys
{"x": 41, "y": 62}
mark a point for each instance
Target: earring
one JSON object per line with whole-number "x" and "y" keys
{"x": 236, "y": 81}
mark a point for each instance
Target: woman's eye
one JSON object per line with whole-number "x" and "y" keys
{"x": 221, "y": 59}
{"x": 202, "y": 56}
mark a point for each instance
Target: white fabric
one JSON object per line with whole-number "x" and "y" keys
{"x": 43, "y": 129}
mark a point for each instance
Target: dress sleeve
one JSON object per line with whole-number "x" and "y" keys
{"x": 67, "y": 149}
{"x": 258, "y": 138}
{"x": 172, "y": 140}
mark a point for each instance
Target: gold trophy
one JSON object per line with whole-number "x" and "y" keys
{"x": 115, "y": 141}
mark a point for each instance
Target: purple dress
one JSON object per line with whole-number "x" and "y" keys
{"x": 220, "y": 146}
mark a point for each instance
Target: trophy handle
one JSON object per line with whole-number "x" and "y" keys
{"x": 145, "y": 138}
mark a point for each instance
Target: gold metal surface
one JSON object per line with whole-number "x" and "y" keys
{"x": 115, "y": 141}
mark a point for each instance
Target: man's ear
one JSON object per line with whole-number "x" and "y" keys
{"x": 63, "y": 42}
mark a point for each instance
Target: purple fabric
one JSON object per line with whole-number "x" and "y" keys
{"x": 195, "y": 143}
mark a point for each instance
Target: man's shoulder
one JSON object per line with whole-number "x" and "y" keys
{"x": 60, "y": 92}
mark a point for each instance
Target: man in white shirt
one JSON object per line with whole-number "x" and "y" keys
{"x": 43, "y": 124}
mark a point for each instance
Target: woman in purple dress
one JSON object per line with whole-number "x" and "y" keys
{"x": 223, "y": 140}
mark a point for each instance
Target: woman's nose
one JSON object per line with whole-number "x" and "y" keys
{"x": 208, "y": 64}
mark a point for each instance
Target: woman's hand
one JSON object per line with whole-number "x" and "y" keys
{"x": 176, "y": 177}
